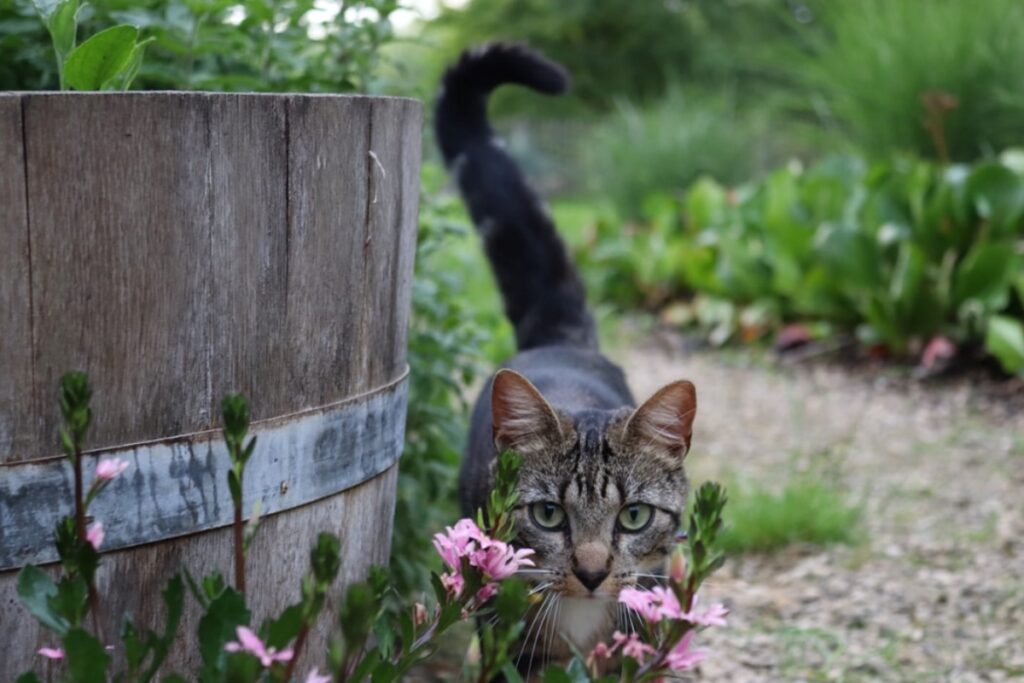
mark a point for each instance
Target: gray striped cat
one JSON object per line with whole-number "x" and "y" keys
{"x": 602, "y": 486}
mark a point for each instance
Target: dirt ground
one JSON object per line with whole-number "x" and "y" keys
{"x": 935, "y": 592}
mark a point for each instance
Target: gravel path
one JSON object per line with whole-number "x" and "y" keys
{"x": 935, "y": 592}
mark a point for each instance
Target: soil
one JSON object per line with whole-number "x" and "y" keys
{"x": 935, "y": 590}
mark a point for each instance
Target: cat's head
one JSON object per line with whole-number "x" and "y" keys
{"x": 601, "y": 493}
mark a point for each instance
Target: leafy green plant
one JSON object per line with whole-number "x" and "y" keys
{"x": 108, "y": 60}
{"x": 253, "y": 45}
{"x": 901, "y": 252}
{"x": 938, "y": 79}
{"x": 668, "y": 144}
{"x": 445, "y": 338}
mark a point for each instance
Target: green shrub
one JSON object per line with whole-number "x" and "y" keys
{"x": 250, "y": 45}
{"x": 806, "y": 510}
{"x": 667, "y": 145}
{"x": 900, "y": 251}
{"x": 881, "y": 71}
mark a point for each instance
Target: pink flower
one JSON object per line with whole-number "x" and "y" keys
{"x": 487, "y": 592}
{"x": 108, "y": 469}
{"x": 499, "y": 561}
{"x": 632, "y": 646}
{"x": 937, "y": 353}
{"x": 681, "y": 657}
{"x": 94, "y": 534}
{"x": 251, "y": 643}
{"x": 458, "y": 542}
{"x": 453, "y": 583}
{"x": 712, "y": 616}
{"x": 495, "y": 559}
{"x": 51, "y": 652}
{"x": 653, "y": 605}
{"x": 315, "y": 677}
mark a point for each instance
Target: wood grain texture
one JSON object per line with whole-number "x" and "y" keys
{"x": 177, "y": 246}
{"x": 249, "y": 244}
{"x": 17, "y": 408}
{"x": 119, "y": 210}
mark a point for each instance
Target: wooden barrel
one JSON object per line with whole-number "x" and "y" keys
{"x": 179, "y": 246}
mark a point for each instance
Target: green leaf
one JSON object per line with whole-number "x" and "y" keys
{"x": 510, "y": 673}
{"x": 1004, "y": 339}
{"x": 60, "y": 19}
{"x": 986, "y": 274}
{"x": 87, "y": 660}
{"x": 28, "y": 677}
{"x": 226, "y": 612}
{"x": 174, "y": 601}
{"x": 998, "y": 196}
{"x": 283, "y": 629}
{"x": 124, "y": 79}
{"x": 35, "y": 589}
{"x": 99, "y": 61}
{"x": 577, "y": 671}
{"x": 135, "y": 649}
{"x": 326, "y": 557}
{"x": 71, "y": 599}
{"x": 358, "y": 611}
{"x": 512, "y": 601}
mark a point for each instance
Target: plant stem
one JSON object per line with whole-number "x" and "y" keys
{"x": 300, "y": 641}
{"x": 239, "y": 544}
{"x": 94, "y": 603}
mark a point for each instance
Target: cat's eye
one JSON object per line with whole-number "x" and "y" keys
{"x": 547, "y": 515}
{"x": 635, "y": 517}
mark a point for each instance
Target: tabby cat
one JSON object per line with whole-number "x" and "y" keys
{"x": 602, "y": 487}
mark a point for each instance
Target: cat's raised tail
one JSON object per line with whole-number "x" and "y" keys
{"x": 544, "y": 297}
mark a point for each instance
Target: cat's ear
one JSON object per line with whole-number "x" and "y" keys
{"x": 665, "y": 421}
{"x": 523, "y": 420}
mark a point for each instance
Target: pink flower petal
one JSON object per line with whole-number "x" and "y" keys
{"x": 94, "y": 535}
{"x": 315, "y": 677}
{"x": 51, "y": 652}
{"x": 681, "y": 657}
{"x": 110, "y": 468}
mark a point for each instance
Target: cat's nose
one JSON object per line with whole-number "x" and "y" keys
{"x": 591, "y": 579}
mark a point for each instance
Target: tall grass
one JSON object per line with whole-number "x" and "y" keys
{"x": 939, "y": 78}
{"x": 667, "y": 145}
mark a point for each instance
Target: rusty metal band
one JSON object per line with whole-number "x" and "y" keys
{"x": 178, "y": 486}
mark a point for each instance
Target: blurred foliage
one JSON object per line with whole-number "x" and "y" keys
{"x": 939, "y": 78}
{"x": 901, "y": 251}
{"x": 220, "y": 45}
{"x": 669, "y": 143}
{"x": 613, "y": 48}
{"x": 445, "y": 338}
{"x": 807, "y": 510}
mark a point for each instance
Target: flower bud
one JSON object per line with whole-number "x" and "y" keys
{"x": 419, "y": 614}
{"x": 677, "y": 565}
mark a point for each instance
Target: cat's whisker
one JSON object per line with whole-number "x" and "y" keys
{"x": 534, "y": 571}
{"x": 552, "y": 629}
{"x": 542, "y": 587}
{"x": 526, "y": 639}
{"x": 663, "y": 577}
{"x": 536, "y": 637}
